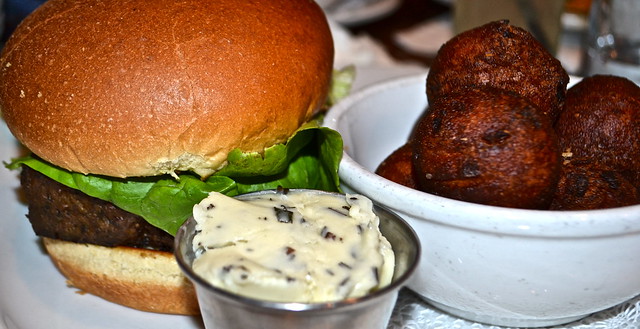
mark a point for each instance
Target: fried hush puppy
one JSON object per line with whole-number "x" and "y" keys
{"x": 488, "y": 146}
{"x": 503, "y": 56}
{"x": 585, "y": 184}
{"x": 500, "y": 117}
{"x": 601, "y": 121}
{"x": 398, "y": 167}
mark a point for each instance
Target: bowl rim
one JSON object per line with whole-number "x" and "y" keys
{"x": 273, "y": 306}
{"x": 471, "y": 216}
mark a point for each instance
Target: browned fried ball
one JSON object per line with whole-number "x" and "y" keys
{"x": 601, "y": 121}
{"x": 398, "y": 167}
{"x": 585, "y": 184}
{"x": 487, "y": 146}
{"x": 503, "y": 56}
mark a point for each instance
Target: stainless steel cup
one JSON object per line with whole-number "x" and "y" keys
{"x": 612, "y": 44}
{"x": 224, "y": 310}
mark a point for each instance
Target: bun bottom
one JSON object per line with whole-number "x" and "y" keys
{"x": 142, "y": 279}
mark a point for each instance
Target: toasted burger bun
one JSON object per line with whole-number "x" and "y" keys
{"x": 128, "y": 88}
{"x": 142, "y": 279}
{"x": 141, "y": 88}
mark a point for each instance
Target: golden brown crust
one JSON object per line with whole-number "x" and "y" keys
{"x": 142, "y": 279}
{"x": 586, "y": 184}
{"x": 601, "y": 122}
{"x": 487, "y": 146}
{"x": 503, "y": 56}
{"x": 398, "y": 167}
{"x": 140, "y": 88}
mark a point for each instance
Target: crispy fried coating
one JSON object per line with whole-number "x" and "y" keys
{"x": 487, "y": 146}
{"x": 601, "y": 121}
{"x": 586, "y": 184}
{"x": 398, "y": 167}
{"x": 503, "y": 56}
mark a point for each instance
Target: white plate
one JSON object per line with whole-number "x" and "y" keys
{"x": 33, "y": 294}
{"x": 354, "y": 12}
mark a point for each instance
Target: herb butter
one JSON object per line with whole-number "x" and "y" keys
{"x": 291, "y": 246}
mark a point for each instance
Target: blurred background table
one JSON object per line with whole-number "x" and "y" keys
{"x": 413, "y": 30}
{"x": 408, "y": 15}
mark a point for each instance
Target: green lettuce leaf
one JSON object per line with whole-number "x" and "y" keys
{"x": 341, "y": 83}
{"x": 309, "y": 159}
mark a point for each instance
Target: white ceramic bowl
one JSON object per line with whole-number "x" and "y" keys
{"x": 512, "y": 267}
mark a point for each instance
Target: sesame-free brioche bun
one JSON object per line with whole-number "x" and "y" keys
{"x": 140, "y": 88}
{"x": 146, "y": 280}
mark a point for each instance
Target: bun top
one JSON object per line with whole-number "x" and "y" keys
{"x": 140, "y": 88}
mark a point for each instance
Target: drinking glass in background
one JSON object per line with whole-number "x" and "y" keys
{"x": 612, "y": 44}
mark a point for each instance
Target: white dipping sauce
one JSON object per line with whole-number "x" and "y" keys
{"x": 300, "y": 246}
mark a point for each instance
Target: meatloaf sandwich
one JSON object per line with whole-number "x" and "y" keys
{"x": 133, "y": 111}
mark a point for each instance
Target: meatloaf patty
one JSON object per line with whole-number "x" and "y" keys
{"x": 60, "y": 212}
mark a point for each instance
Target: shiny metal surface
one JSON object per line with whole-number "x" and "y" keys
{"x": 224, "y": 310}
